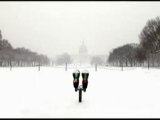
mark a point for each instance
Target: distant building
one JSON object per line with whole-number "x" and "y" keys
{"x": 83, "y": 49}
{"x": 82, "y": 56}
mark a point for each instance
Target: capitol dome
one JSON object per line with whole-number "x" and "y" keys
{"x": 83, "y": 49}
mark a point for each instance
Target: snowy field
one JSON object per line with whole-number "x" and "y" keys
{"x": 49, "y": 93}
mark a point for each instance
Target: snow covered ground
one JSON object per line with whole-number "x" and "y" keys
{"x": 111, "y": 93}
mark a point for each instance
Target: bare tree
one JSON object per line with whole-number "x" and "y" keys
{"x": 65, "y": 58}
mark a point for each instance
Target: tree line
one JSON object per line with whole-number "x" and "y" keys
{"x": 66, "y": 58}
{"x": 146, "y": 53}
{"x": 10, "y": 56}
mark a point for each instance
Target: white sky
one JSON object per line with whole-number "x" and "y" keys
{"x": 55, "y": 27}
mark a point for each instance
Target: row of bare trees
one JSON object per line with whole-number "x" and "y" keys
{"x": 10, "y": 56}
{"x": 128, "y": 55}
{"x": 146, "y": 53}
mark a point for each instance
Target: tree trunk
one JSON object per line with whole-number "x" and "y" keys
{"x": 66, "y": 67}
{"x": 148, "y": 62}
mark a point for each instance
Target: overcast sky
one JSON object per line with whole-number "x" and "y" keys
{"x": 55, "y": 27}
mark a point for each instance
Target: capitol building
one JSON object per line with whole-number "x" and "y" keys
{"x": 82, "y": 56}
